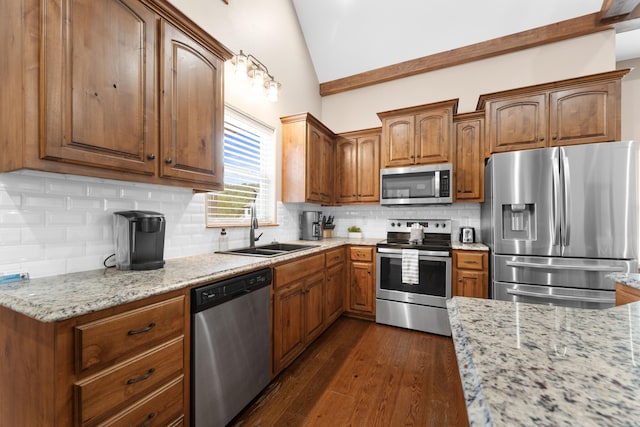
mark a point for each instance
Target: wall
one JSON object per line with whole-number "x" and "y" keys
{"x": 576, "y": 57}
{"x": 631, "y": 100}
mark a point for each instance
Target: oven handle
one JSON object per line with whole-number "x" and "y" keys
{"x": 560, "y": 297}
{"x": 398, "y": 253}
{"x": 604, "y": 268}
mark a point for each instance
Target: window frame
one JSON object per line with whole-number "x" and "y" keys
{"x": 267, "y": 213}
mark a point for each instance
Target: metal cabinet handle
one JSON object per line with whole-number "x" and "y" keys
{"x": 560, "y": 297}
{"x": 142, "y": 378}
{"x": 168, "y": 161}
{"x": 150, "y": 417}
{"x": 606, "y": 268}
{"x": 151, "y": 156}
{"x": 140, "y": 331}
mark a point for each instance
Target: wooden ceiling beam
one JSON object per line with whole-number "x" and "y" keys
{"x": 558, "y": 31}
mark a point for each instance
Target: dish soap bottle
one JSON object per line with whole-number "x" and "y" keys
{"x": 223, "y": 242}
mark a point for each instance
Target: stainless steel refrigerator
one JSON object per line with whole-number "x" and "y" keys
{"x": 559, "y": 220}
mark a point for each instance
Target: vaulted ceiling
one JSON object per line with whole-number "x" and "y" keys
{"x": 354, "y": 43}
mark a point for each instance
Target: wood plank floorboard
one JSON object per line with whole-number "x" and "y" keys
{"x": 360, "y": 373}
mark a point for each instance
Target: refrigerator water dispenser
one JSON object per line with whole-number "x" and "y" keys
{"x": 519, "y": 221}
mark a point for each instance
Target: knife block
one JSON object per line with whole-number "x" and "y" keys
{"x": 327, "y": 234}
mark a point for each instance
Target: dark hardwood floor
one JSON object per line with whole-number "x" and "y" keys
{"x": 360, "y": 373}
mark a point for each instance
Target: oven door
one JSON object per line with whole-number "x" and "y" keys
{"x": 435, "y": 280}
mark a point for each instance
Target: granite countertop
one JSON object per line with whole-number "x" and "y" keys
{"x": 469, "y": 246}
{"x": 524, "y": 364}
{"x": 630, "y": 279}
{"x": 55, "y": 298}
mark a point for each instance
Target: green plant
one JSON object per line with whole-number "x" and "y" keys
{"x": 354, "y": 229}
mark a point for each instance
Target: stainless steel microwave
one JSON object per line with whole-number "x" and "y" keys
{"x": 416, "y": 185}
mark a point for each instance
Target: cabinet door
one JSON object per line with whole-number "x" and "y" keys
{"x": 398, "y": 141}
{"x": 98, "y": 94}
{"x": 314, "y": 163}
{"x": 469, "y": 160}
{"x": 471, "y": 284}
{"x": 346, "y": 170}
{"x": 433, "y": 137}
{"x": 362, "y": 289}
{"x": 288, "y": 325}
{"x": 334, "y": 291}
{"x": 517, "y": 123}
{"x": 368, "y": 169}
{"x": 314, "y": 306}
{"x": 191, "y": 110}
{"x": 326, "y": 169}
{"x": 584, "y": 115}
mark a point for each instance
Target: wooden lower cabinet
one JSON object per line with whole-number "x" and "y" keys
{"x": 470, "y": 274}
{"x": 126, "y": 365}
{"x": 626, "y": 294}
{"x": 335, "y": 284}
{"x": 361, "y": 291}
{"x": 298, "y": 308}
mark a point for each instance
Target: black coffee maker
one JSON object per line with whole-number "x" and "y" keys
{"x": 139, "y": 239}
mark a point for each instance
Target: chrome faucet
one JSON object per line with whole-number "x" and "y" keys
{"x": 253, "y": 227}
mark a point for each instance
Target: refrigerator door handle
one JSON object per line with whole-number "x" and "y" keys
{"x": 603, "y": 268}
{"x": 555, "y": 222}
{"x": 566, "y": 198}
{"x": 560, "y": 297}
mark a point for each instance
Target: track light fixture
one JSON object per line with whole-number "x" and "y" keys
{"x": 248, "y": 66}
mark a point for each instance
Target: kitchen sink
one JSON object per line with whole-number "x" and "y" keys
{"x": 269, "y": 250}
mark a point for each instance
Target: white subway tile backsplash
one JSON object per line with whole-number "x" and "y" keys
{"x": 10, "y": 236}
{"x": 54, "y": 224}
{"x": 43, "y": 235}
{"x": 66, "y": 218}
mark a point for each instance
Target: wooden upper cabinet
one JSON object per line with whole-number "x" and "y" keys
{"x": 585, "y": 114}
{"x": 575, "y": 111}
{"x": 119, "y": 89}
{"x": 517, "y": 124}
{"x": 433, "y": 136}
{"x": 307, "y": 160}
{"x": 417, "y": 135}
{"x": 399, "y": 137}
{"x": 358, "y": 167}
{"x": 99, "y": 92}
{"x": 192, "y": 112}
{"x": 469, "y": 157}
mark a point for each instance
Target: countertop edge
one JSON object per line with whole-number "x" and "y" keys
{"x": 477, "y": 409}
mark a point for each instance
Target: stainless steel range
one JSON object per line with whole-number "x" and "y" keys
{"x": 413, "y": 279}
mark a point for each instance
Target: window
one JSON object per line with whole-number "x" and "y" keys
{"x": 249, "y": 173}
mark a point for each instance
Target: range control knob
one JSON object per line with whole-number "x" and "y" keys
{"x": 393, "y": 224}
{"x": 444, "y": 225}
{"x": 437, "y": 225}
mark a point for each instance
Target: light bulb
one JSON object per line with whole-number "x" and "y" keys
{"x": 272, "y": 90}
{"x": 241, "y": 66}
{"x": 258, "y": 80}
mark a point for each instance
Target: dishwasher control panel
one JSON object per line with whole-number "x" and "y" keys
{"x": 216, "y": 293}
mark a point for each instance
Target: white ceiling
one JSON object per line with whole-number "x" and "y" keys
{"x": 347, "y": 37}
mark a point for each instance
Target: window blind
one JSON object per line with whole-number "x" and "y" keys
{"x": 249, "y": 173}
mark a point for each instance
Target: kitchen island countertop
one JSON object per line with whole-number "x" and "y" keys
{"x": 55, "y": 298}
{"x": 630, "y": 279}
{"x": 524, "y": 364}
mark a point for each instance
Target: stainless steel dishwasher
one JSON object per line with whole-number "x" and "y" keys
{"x": 230, "y": 361}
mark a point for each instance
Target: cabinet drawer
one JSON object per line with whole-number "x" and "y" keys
{"x": 103, "y": 341}
{"x": 291, "y": 271}
{"x": 361, "y": 253}
{"x": 111, "y": 388}
{"x": 335, "y": 256}
{"x": 161, "y": 408}
{"x": 470, "y": 260}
